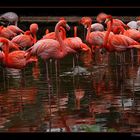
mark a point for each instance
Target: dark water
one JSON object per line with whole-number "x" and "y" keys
{"x": 104, "y": 97}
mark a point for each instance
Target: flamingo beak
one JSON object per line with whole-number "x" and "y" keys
{"x": 1, "y": 43}
{"x": 86, "y": 26}
{"x": 67, "y": 27}
{"x": 107, "y": 20}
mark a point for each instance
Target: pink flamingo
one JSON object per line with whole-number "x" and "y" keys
{"x": 7, "y": 33}
{"x": 77, "y": 44}
{"x": 11, "y": 44}
{"x": 94, "y": 39}
{"x": 50, "y": 48}
{"x": 132, "y": 33}
{"x": 28, "y": 38}
{"x": 118, "y": 42}
{"x": 116, "y": 22}
{"x": 15, "y": 29}
{"x": 16, "y": 59}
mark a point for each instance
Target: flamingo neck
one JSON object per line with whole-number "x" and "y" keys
{"x": 34, "y": 38}
{"x": 58, "y": 37}
{"x": 75, "y": 31}
{"x": 47, "y": 31}
{"x": 108, "y": 31}
{"x": 63, "y": 31}
{"x": 88, "y": 32}
{"x": 6, "y": 49}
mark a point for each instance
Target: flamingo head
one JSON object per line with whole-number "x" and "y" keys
{"x": 3, "y": 41}
{"x": 86, "y": 21}
{"x": 108, "y": 18}
{"x": 34, "y": 28}
{"x": 62, "y": 18}
{"x": 101, "y": 17}
{"x": 64, "y": 24}
{"x": 47, "y": 31}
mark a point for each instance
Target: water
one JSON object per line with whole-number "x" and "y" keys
{"x": 101, "y": 98}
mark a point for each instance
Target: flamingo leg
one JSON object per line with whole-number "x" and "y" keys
{"x": 47, "y": 71}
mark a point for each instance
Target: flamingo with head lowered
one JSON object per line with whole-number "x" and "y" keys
{"x": 116, "y": 22}
{"x": 15, "y": 59}
{"x": 28, "y": 38}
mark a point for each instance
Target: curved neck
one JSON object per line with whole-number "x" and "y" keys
{"x": 75, "y": 31}
{"x": 63, "y": 31}
{"x": 88, "y": 31}
{"x": 34, "y": 38}
{"x": 108, "y": 31}
{"x": 58, "y": 37}
{"x": 6, "y": 48}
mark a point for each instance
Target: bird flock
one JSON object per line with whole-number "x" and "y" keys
{"x": 18, "y": 48}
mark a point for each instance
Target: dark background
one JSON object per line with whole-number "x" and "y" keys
{"x": 71, "y": 7}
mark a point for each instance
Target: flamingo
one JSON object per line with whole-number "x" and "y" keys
{"x": 77, "y": 44}
{"x": 15, "y": 29}
{"x": 116, "y": 22}
{"x": 11, "y": 17}
{"x": 7, "y": 33}
{"x": 11, "y": 44}
{"x": 16, "y": 59}
{"x": 50, "y": 48}
{"x": 94, "y": 39}
{"x": 132, "y": 33}
{"x": 28, "y": 38}
{"x": 118, "y": 42}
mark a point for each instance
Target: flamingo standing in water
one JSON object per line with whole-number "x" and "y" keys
{"x": 96, "y": 38}
{"x": 77, "y": 44}
{"x": 132, "y": 33}
{"x": 50, "y": 48}
{"x": 74, "y": 43}
{"x": 117, "y": 42}
{"x": 16, "y": 59}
